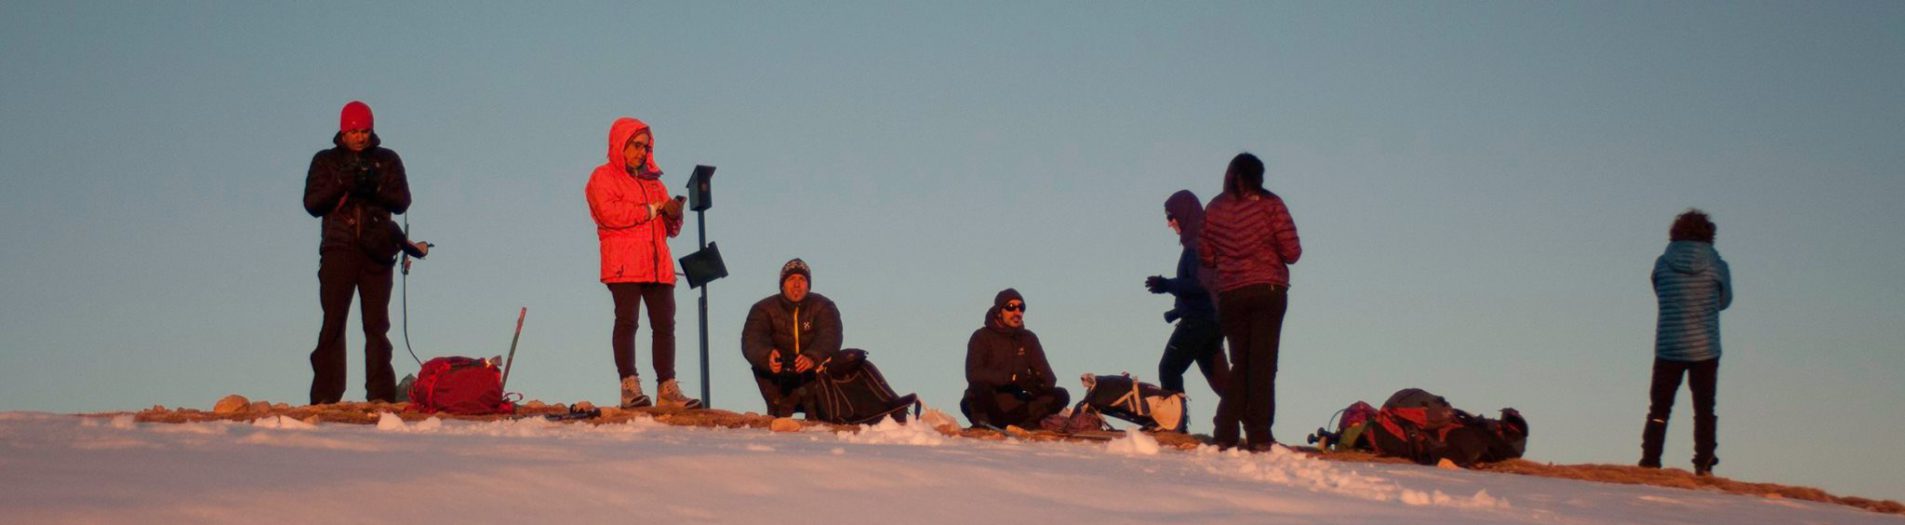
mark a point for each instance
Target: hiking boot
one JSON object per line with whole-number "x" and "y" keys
{"x": 1704, "y": 466}
{"x": 670, "y": 394}
{"x": 632, "y": 396}
{"x": 1650, "y": 463}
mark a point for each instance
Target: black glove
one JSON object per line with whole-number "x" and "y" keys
{"x": 363, "y": 178}
{"x": 1154, "y": 283}
{"x": 1016, "y": 391}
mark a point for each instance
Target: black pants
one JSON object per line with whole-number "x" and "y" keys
{"x": 1703, "y": 378}
{"x": 1198, "y": 341}
{"x": 985, "y": 404}
{"x": 782, "y": 393}
{"x": 1252, "y": 320}
{"x": 342, "y": 272}
{"x": 661, "y": 321}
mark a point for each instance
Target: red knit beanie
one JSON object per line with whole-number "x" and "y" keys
{"x": 356, "y": 115}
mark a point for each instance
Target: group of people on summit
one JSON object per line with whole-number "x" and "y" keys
{"x": 1231, "y": 285}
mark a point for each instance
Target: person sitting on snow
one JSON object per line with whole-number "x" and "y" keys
{"x": 787, "y": 336}
{"x": 1008, "y": 380}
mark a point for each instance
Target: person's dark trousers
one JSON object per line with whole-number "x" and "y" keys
{"x": 782, "y": 393}
{"x": 342, "y": 272}
{"x": 987, "y": 405}
{"x": 661, "y": 321}
{"x": 1252, "y": 320}
{"x": 1198, "y": 341}
{"x": 1703, "y": 378}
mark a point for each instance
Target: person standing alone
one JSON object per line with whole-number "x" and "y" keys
{"x": 634, "y": 217}
{"x": 354, "y": 187}
{"x": 1692, "y": 285}
{"x": 1249, "y": 240}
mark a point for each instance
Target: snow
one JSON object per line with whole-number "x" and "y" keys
{"x": 72, "y": 469}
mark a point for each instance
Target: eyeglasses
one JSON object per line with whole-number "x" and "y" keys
{"x": 1020, "y": 307}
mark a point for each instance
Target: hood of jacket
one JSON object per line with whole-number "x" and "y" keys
{"x": 1189, "y": 212}
{"x": 1690, "y": 256}
{"x": 623, "y": 129}
{"x": 998, "y": 303}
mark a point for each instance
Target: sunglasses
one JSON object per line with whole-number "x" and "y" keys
{"x": 1013, "y": 307}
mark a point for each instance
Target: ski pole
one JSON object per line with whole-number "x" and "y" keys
{"x": 512, "y": 345}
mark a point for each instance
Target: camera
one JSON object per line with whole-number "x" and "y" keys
{"x": 363, "y": 174}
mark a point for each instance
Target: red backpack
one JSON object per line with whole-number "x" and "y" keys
{"x": 460, "y": 385}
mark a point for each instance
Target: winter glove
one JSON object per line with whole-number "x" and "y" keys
{"x": 1154, "y": 283}
{"x": 363, "y": 178}
{"x": 1016, "y": 391}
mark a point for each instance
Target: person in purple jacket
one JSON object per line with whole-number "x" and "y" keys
{"x": 1249, "y": 241}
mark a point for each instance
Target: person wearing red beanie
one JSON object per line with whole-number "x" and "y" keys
{"x": 355, "y": 186}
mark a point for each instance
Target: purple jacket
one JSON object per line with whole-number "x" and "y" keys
{"x": 1248, "y": 241}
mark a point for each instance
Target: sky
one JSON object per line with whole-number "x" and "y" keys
{"x": 1481, "y": 190}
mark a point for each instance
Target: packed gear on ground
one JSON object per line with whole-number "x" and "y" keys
{"x": 460, "y": 385}
{"x": 848, "y": 389}
{"x": 1423, "y": 427}
{"x": 1144, "y": 404}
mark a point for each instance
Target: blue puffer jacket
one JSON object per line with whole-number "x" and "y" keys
{"x": 1693, "y": 285}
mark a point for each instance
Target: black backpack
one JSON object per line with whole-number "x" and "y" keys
{"x": 850, "y": 390}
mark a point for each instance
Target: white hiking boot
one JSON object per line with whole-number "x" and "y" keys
{"x": 632, "y": 396}
{"x": 670, "y": 393}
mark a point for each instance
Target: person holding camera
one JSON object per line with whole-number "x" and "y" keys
{"x": 1008, "y": 380}
{"x": 787, "y": 336}
{"x": 634, "y": 217}
{"x": 1197, "y": 338}
{"x": 354, "y": 187}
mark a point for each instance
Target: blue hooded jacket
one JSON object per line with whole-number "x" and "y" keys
{"x": 1693, "y": 285}
{"x": 1192, "y": 284}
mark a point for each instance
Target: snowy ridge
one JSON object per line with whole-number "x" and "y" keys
{"x": 60, "y": 469}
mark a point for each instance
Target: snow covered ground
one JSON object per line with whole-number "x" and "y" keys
{"x": 71, "y": 469}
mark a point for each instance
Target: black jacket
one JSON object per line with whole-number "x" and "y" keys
{"x": 810, "y": 327}
{"x": 357, "y": 217}
{"x": 998, "y": 355}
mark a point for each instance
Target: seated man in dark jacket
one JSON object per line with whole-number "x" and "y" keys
{"x": 1008, "y": 380}
{"x": 787, "y": 336}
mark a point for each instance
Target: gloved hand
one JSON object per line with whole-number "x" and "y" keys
{"x": 363, "y": 178}
{"x": 1154, "y": 283}
{"x": 1016, "y": 391}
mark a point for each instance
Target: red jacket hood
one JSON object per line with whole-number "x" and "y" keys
{"x": 623, "y": 129}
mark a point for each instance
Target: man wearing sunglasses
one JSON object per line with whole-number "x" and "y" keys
{"x": 1008, "y": 380}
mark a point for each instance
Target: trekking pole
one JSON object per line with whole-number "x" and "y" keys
{"x": 405, "y": 294}
{"x": 512, "y": 345}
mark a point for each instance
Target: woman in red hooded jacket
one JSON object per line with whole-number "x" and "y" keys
{"x": 634, "y": 217}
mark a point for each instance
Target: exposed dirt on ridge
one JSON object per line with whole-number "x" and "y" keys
{"x": 370, "y": 412}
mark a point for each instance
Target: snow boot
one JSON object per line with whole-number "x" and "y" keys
{"x": 670, "y": 393}
{"x": 1652, "y": 439}
{"x": 632, "y": 396}
{"x": 1703, "y": 466}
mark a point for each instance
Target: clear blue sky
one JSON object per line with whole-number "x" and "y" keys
{"x": 1481, "y": 189}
